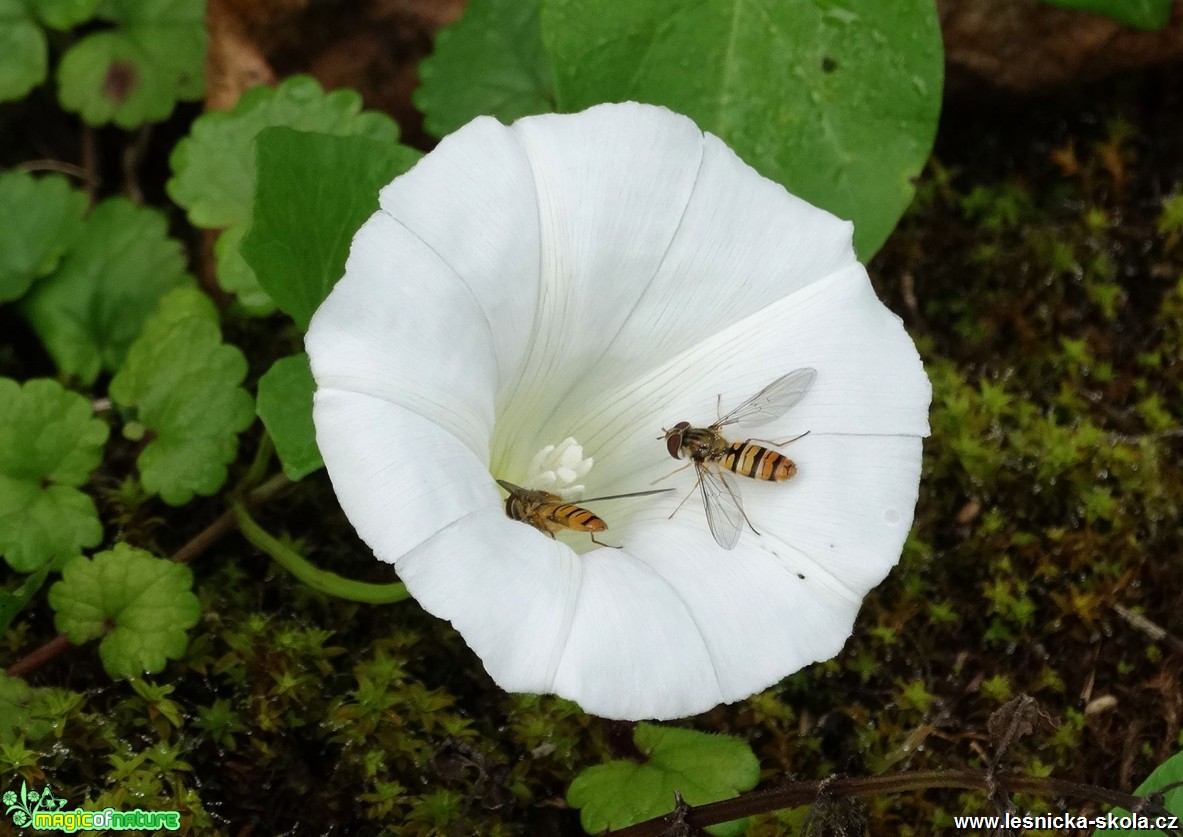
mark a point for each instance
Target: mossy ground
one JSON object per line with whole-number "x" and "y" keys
{"x": 1039, "y": 271}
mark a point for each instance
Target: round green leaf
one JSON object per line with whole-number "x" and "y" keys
{"x": 39, "y": 219}
{"x": 50, "y": 441}
{"x": 183, "y": 382}
{"x": 491, "y": 61}
{"x": 139, "y": 604}
{"x": 64, "y": 14}
{"x": 838, "y": 101}
{"x": 90, "y": 310}
{"x": 700, "y": 766}
{"x": 24, "y": 52}
{"x": 138, "y": 72}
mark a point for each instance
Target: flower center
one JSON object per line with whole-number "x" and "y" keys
{"x": 557, "y": 468}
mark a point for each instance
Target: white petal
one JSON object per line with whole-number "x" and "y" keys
{"x": 652, "y": 240}
{"x": 402, "y": 327}
{"x": 507, "y": 588}
{"x": 471, "y": 200}
{"x": 870, "y": 381}
{"x": 774, "y": 604}
{"x": 400, "y": 477}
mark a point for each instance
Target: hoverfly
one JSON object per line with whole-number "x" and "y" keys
{"x": 714, "y": 457}
{"x": 550, "y": 513}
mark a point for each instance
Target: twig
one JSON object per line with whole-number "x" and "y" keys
{"x": 60, "y": 167}
{"x": 796, "y": 794}
{"x": 1156, "y": 632}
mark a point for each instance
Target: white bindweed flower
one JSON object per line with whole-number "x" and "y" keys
{"x": 534, "y": 303}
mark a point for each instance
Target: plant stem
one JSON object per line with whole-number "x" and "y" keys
{"x": 314, "y": 577}
{"x": 796, "y": 794}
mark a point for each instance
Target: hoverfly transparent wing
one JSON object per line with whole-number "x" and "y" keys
{"x": 720, "y": 498}
{"x": 773, "y": 401}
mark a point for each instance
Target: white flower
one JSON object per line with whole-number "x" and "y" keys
{"x": 596, "y": 277}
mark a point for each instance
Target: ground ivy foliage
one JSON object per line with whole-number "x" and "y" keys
{"x": 700, "y": 766}
{"x": 39, "y": 219}
{"x": 140, "y": 605}
{"x": 50, "y": 442}
{"x": 93, "y": 306}
{"x": 503, "y": 39}
{"x": 214, "y": 167}
{"x": 24, "y": 48}
{"x": 136, "y": 71}
{"x": 184, "y": 384}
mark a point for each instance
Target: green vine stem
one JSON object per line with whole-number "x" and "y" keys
{"x": 314, "y": 577}
{"x": 796, "y": 794}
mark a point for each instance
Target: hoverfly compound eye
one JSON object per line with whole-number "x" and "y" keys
{"x": 673, "y": 439}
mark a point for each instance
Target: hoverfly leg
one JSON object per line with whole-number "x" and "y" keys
{"x": 671, "y": 473}
{"x": 601, "y": 543}
{"x": 688, "y": 496}
{"x": 781, "y": 444}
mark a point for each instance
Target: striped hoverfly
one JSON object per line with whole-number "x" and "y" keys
{"x": 550, "y": 513}
{"x": 715, "y": 459}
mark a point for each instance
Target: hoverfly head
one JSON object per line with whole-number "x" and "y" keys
{"x": 673, "y": 438}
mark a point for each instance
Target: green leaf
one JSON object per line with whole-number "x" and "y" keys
{"x": 50, "y": 441}
{"x": 313, "y": 192}
{"x": 285, "y": 406}
{"x": 23, "y": 711}
{"x": 63, "y": 14}
{"x": 184, "y": 382}
{"x": 13, "y": 601}
{"x": 39, "y": 220}
{"x": 214, "y": 167}
{"x": 702, "y": 767}
{"x": 1167, "y": 773}
{"x": 138, "y": 72}
{"x": 89, "y": 311}
{"x": 1140, "y": 14}
{"x": 24, "y": 52}
{"x": 837, "y": 101}
{"x": 491, "y": 61}
{"x": 139, "y": 604}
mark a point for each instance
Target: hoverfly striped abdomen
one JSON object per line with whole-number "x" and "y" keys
{"x": 549, "y": 513}
{"x": 758, "y": 462}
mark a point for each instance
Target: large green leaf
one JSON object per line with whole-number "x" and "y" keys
{"x": 1170, "y": 772}
{"x": 313, "y": 192}
{"x": 285, "y": 406}
{"x": 214, "y": 167}
{"x": 837, "y": 100}
{"x": 491, "y": 61}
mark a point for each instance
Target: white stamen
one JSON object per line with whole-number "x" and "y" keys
{"x": 555, "y": 468}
